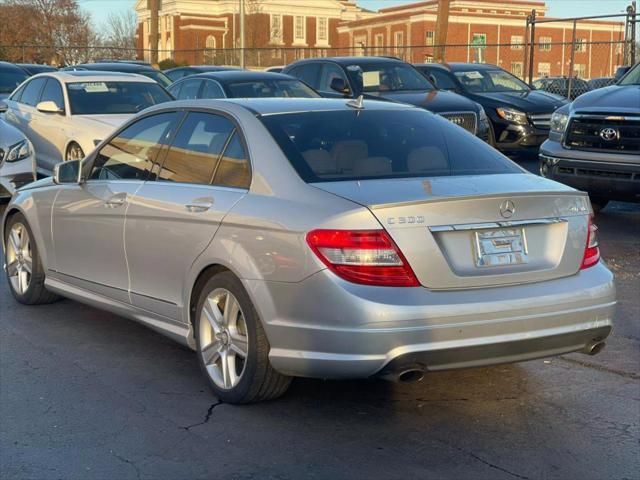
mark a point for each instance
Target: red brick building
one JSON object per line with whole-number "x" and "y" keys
{"x": 491, "y": 31}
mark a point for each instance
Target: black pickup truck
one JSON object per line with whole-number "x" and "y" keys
{"x": 594, "y": 143}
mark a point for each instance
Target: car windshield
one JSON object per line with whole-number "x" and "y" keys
{"x": 10, "y": 80}
{"x": 388, "y": 77}
{"x": 632, "y": 77}
{"x": 372, "y": 144}
{"x": 104, "y": 98}
{"x": 488, "y": 81}
{"x": 159, "y": 77}
{"x": 271, "y": 88}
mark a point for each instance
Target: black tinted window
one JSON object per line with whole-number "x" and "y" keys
{"x": 188, "y": 89}
{"x": 354, "y": 145}
{"x": 31, "y": 93}
{"x": 307, "y": 73}
{"x": 443, "y": 80}
{"x": 233, "y": 170}
{"x": 271, "y": 88}
{"x": 53, "y": 93}
{"x": 212, "y": 90}
{"x": 131, "y": 154}
{"x": 329, "y": 72}
{"x": 195, "y": 152}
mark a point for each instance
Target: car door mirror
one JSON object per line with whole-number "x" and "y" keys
{"x": 339, "y": 85}
{"x": 67, "y": 172}
{"x": 3, "y": 107}
{"x": 49, "y": 107}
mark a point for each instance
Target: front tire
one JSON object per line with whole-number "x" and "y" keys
{"x": 233, "y": 350}
{"x": 24, "y": 269}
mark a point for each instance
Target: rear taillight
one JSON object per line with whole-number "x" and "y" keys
{"x": 591, "y": 250}
{"x": 368, "y": 257}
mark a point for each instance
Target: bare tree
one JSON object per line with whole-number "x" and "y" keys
{"x": 120, "y": 34}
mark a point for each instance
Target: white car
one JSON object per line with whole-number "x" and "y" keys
{"x": 17, "y": 162}
{"x": 66, "y": 114}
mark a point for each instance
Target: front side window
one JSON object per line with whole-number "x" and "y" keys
{"x": 212, "y": 90}
{"x": 31, "y": 93}
{"x": 482, "y": 81}
{"x": 367, "y": 144}
{"x": 10, "y": 80}
{"x": 102, "y": 98}
{"x": 188, "y": 89}
{"x": 307, "y": 73}
{"x": 130, "y": 155}
{"x": 271, "y": 88}
{"x": 197, "y": 147}
{"x": 443, "y": 80}
{"x": 53, "y": 93}
{"x": 330, "y": 71}
{"x": 387, "y": 77}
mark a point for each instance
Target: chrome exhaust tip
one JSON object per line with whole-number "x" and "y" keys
{"x": 594, "y": 348}
{"x": 411, "y": 376}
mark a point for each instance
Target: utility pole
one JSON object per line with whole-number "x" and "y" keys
{"x": 242, "y": 44}
{"x": 442, "y": 27}
{"x": 153, "y": 31}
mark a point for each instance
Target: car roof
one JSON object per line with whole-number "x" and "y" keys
{"x": 352, "y": 60}
{"x": 464, "y": 66}
{"x": 10, "y": 67}
{"x": 115, "y": 66}
{"x": 95, "y": 76}
{"x": 431, "y": 65}
{"x": 241, "y": 75}
{"x": 274, "y": 106}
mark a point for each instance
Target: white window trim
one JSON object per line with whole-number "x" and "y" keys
{"x": 303, "y": 40}
{"x": 322, "y": 41}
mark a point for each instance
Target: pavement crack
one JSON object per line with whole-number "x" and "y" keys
{"x": 126, "y": 460}
{"x": 207, "y": 416}
{"x": 489, "y": 464}
{"x": 602, "y": 368}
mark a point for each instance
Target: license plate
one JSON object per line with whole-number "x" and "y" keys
{"x": 506, "y": 246}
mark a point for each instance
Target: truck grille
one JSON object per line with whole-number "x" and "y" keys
{"x": 604, "y": 133}
{"x": 541, "y": 120}
{"x": 466, "y": 120}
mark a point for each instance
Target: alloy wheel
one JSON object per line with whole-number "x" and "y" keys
{"x": 19, "y": 258}
{"x": 224, "y": 344}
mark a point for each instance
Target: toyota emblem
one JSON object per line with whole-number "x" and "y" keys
{"x": 609, "y": 134}
{"x": 507, "y": 209}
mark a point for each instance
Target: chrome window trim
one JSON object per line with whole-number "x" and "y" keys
{"x": 506, "y": 224}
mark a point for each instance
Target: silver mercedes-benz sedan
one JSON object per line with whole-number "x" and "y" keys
{"x": 317, "y": 238}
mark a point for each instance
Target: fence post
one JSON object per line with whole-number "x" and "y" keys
{"x": 525, "y": 60}
{"x": 532, "y": 44}
{"x": 573, "y": 52}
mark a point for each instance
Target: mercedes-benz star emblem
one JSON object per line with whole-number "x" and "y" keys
{"x": 507, "y": 209}
{"x": 609, "y": 134}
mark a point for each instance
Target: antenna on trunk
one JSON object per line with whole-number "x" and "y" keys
{"x": 358, "y": 103}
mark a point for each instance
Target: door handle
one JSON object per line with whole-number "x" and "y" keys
{"x": 116, "y": 200}
{"x": 199, "y": 205}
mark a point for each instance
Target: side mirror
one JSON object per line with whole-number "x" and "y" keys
{"x": 67, "y": 172}
{"x": 339, "y": 85}
{"x": 3, "y": 107}
{"x": 49, "y": 107}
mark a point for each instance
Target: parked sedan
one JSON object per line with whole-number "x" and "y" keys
{"x": 35, "y": 68}
{"x": 66, "y": 114}
{"x": 180, "y": 72}
{"x": 10, "y": 77}
{"x": 124, "y": 67}
{"x": 17, "y": 162}
{"x": 316, "y": 238}
{"x": 240, "y": 84}
{"x": 519, "y": 116}
{"x": 601, "y": 82}
{"x": 385, "y": 78}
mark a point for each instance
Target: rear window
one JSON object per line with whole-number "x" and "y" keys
{"x": 368, "y": 144}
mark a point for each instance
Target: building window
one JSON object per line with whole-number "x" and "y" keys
{"x": 517, "y": 42}
{"x": 516, "y": 69}
{"x": 545, "y": 44}
{"x": 580, "y": 70}
{"x": 322, "y": 29}
{"x": 276, "y": 28}
{"x": 299, "y": 28}
{"x": 210, "y": 47}
{"x": 428, "y": 59}
{"x": 544, "y": 69}
{"x": 430, "y": 37}
{"x": 479, "y": 39}
{"x": 581, "y": 45}
{"x": 398, "y": 42}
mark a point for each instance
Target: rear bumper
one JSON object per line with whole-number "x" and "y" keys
{"x": 324, "y": 327}
{"x": 614, "y": 177}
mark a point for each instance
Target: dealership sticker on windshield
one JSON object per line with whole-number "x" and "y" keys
{"x": 475, "y": 75}
{"x": 371, "y": 79}
{"x": 96, "y": 87}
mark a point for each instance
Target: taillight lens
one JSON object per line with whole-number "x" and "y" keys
{"x": 368, "y": 257}
{"x": 591, "y": 251}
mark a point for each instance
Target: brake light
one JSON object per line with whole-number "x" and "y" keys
{"x": 368, "y": 257}
{"x": 591, "y": 250}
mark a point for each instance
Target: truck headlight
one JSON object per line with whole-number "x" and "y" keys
{"x": 19, "y": 151}
{"x": 559, "y": 122}
{"x": 513, "y": 115}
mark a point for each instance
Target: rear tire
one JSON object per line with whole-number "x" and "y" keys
{"x": 598, "y": 203}
{"x": 24, "y": 270}
{"x": 233, "y": 350}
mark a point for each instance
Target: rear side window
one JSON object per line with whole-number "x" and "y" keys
{"x": 212, "y": 90}
{"x": 233, "y": 170}
{"x": 197, "y": 147}
{"x": 368, "y": 144}
{"x": 307, "y": 73}
{"x": 31, "y": 93}
{"x": 189, "y": 90}
{"x": 443, "y": 80}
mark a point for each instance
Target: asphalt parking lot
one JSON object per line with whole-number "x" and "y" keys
{"x": 87, "y": 394}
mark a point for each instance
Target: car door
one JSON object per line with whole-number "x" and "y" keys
{"x": 88, "y": 219}
{"x": 171, "y": 220}
{"x": 51, "y": 127}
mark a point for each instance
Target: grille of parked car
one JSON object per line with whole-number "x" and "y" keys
{"x": 612, "y": 133}
{"x": 589, "y": 172}
{"x": 541, "y": 120}
{"x": 466, "y": 120}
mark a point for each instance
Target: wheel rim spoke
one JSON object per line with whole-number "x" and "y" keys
{"x": 212, "y": 314}
{"x": 23, "y": 281}
{"x": 14, "y": 239}
{"x": 12, "y": 268}
{"x": 18, "y": 258}
{"x": 27, "y": 265}
{"x": 210, "y": 352}
{"x": 231, "y": 309}
{"x": 239, "y": 345}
